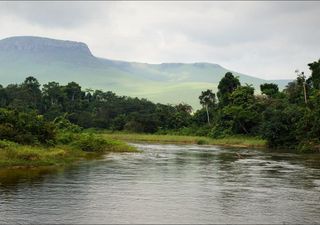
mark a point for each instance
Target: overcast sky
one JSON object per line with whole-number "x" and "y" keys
{"x": 265, "y": 39}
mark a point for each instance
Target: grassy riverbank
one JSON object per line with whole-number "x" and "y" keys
{"x": 234, "y": 141}
{"x": 75, "y": 147}
{"x": 15, "y": 155}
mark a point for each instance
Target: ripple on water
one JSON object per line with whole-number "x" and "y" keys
{"x": 170, "y": 184}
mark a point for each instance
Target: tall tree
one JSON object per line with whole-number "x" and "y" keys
{"x": 226, "y": 86}
{"x": 207, "y": 100}
{"x": 315, "y": 75}
{"x": 31, "y": 93}
{"x": 73, "y": 91}
{"x": 3, "y": 97}
{"x": 242, "y": 95}
{"x": 52, "y": 93}
{"x": 269, "y": 89}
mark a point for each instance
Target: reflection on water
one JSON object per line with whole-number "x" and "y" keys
{"x": 168, "y": 184}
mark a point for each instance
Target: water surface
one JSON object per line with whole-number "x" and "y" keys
{"x": 168, "y": 184}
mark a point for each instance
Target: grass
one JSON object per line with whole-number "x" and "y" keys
{"x": 15, "y": 155}
{"x": 233, "y": 141}
{"x": 86, "y": 146}
{"x": 34, "y": 156}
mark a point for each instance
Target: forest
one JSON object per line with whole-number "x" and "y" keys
{"x": 290, "y": 119}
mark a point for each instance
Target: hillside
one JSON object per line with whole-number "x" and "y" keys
{"x": 65, "y": 61}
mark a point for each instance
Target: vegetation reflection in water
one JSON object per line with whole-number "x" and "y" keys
{"x": 200, "y": 184}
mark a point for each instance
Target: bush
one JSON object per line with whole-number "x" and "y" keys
{"x": 91, "y": 143}
{"x": 280, "y": 127}
{"x": 4, "y": 144}
{"x": 64, "y": 137}
{"x": 64, "y": 124}
{"x": 309, "y": 146}
{"x": 25, "y": 127}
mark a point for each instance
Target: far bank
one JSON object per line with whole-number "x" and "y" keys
{"x": 232, "y": 141}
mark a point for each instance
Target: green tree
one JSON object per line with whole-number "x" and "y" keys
{"x": 241, "y": 119}
{"x": 73, "y": 91}
{"x": 183, "y": 107}
{"x": 25, "y": 127}
{"x": 31, "y": 92}
{"x": 315, "y": 75}
{"x": 269, "y": 89}
{"x": 53, "y": 96}
{"x": 241, "y": 112}
{"x": 226, "y": 86}
{"x": 279, "y": 125}
{"x": 74, "y": 94}
{"x": 242, "y": 95}
{"x": 207, "y": 100}
{"x": 3, "y": 97}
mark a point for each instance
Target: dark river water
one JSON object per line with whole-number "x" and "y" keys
{"x": 168, "y": 184}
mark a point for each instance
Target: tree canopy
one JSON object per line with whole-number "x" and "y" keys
{"x": 286, "y": 119}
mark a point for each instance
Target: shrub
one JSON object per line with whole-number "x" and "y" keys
{"x": 64, "y": 124}
{"x": 25, "y": 127}
{"x": 4, "y": 144}
{"x": 64, "y": 137}
{"x": 91, "y": 143}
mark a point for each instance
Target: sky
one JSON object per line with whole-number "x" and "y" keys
{"x": 269, "y": 40}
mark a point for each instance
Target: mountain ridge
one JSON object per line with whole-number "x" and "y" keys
{"x": 64, "y": 61}
{"x": 34, "y": 43}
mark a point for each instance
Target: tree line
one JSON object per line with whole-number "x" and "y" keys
{"x": 286, "y": 119}
{"x": 27, "y": 106}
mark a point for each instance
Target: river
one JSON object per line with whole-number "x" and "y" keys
{"x": 168, "y": 184}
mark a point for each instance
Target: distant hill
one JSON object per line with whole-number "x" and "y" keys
{"x": 64, "y": 61}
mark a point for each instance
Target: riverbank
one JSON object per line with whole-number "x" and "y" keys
{"x": 232, "y": 141}
{"x": 13, "y": 155}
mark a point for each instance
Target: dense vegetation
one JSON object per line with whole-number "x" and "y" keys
{"x": 30, "y": 114}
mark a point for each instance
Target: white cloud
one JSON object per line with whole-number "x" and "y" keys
{"x": 266, "y": 39}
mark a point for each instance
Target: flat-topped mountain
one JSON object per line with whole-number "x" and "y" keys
{"x": 38, "y": 44}
{"x": 64, "y": 61}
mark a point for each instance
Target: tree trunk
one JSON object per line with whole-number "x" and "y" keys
{"x": 208, "y": 115}
{"x": 243, "y": 128}
{"x": 305, "y": 92}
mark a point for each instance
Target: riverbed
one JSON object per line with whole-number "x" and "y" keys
{"x": 168, "y": 183}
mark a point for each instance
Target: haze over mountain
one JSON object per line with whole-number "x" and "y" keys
{"x": 64, "y": 61}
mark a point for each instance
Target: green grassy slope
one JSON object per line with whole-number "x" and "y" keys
{"x": 165, "y": 83}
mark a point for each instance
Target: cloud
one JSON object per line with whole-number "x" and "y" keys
{"x": 266, "y": 39}
{"x": 55, "y": 14}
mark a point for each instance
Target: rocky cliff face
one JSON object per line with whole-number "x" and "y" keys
{"x": 29, "y": 44}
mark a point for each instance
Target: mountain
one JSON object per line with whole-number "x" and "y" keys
{"x": 64, "y": 61}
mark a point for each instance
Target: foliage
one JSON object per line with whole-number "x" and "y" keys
{"x": 25, "y": 127}
{"x": 315, "y": 75}
{"x": 226, "y": 86}
{"x": 93, "y": 108}
{"x": 58, "y": 113}
{"x": 207, "y": 100}
{"x": 30, "y": 156}
{"x": 279, "y": 126}
{"x": 238, "y": 141}
{"x": 90, "y": 143}
{"x": 269, "y": 89}
{"x": 290, "y": 119}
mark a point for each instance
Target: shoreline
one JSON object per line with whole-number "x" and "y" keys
{"x": 30, "y": 157}
{"x": 17, "y": 156}
{"x": 232, "y": 141}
